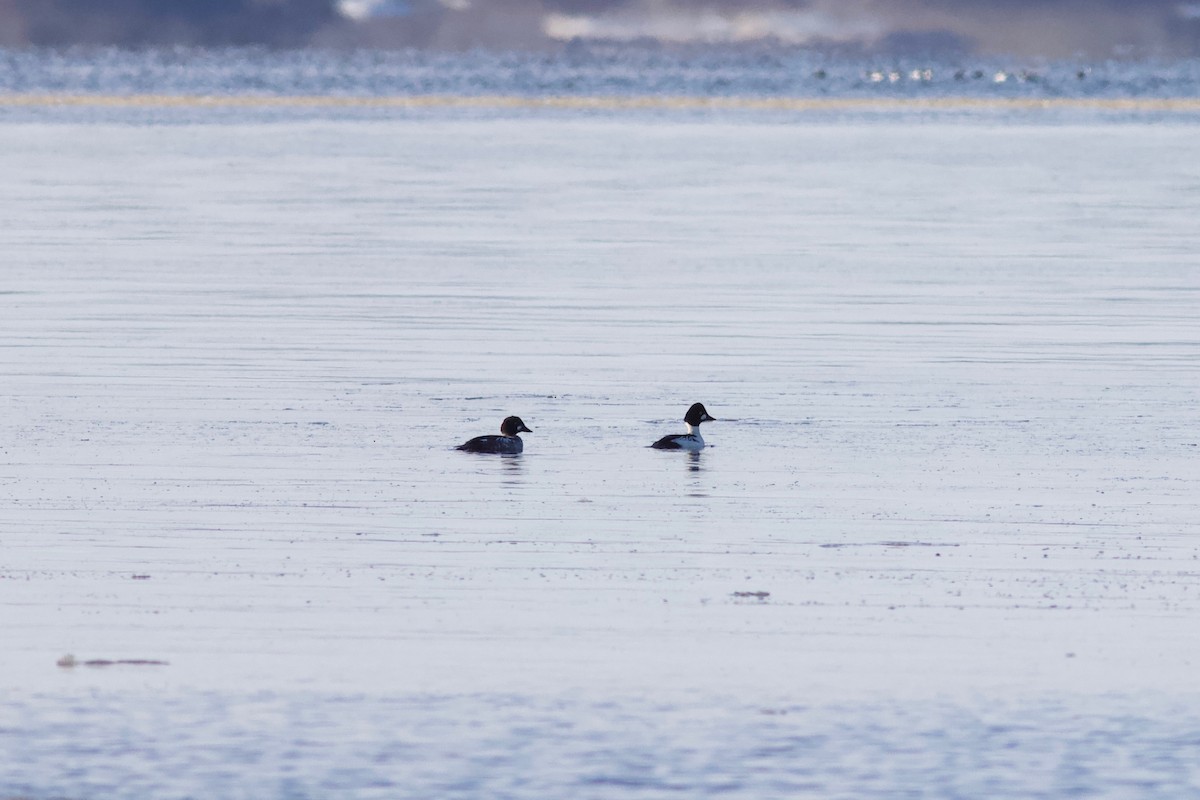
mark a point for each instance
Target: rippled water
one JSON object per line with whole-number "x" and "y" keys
{"x": 943, "y": 544}
{"x": 267, "y": 745}
{"x": 582, "y": 69}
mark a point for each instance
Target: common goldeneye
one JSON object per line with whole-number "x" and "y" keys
{"x": 692, "y": 440}
{"x": 508, "y": 444}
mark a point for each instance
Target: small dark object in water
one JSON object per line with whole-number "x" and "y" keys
{"x": 69, "y": 661}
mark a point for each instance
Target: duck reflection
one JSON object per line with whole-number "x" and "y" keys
{"x": 514, "y": 470}
{"x": 695, "y": 466}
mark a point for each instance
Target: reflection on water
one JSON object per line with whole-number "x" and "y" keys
{"x": 695, "y": 467}
{"x": 514, "y": 469}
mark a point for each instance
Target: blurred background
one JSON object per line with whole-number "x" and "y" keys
{"x": 1027, "y": 28}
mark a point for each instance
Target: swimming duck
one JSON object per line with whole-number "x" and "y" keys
{"x": 508, "y": 443}
{"x": 692, "y": 440}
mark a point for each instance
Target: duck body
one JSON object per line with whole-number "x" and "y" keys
{"x": 504, "y": 445}
{"x": 508, "y": 443}
{"x": 692, "y": 440}
{"x": 680, "y": 441}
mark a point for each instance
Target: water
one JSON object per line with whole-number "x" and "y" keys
{"x": 489, "y": 746}
{"x": 952, "y": 358}
{"x": 584, "y": 69}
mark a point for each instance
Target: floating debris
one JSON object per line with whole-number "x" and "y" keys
{"x": 68, "y": 661}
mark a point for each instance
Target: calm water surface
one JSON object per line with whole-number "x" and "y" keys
{"x": 944, "y": 542}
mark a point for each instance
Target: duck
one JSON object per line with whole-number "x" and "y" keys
{"x": 507, "y": 443}
{"x": 692, "y": 440}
